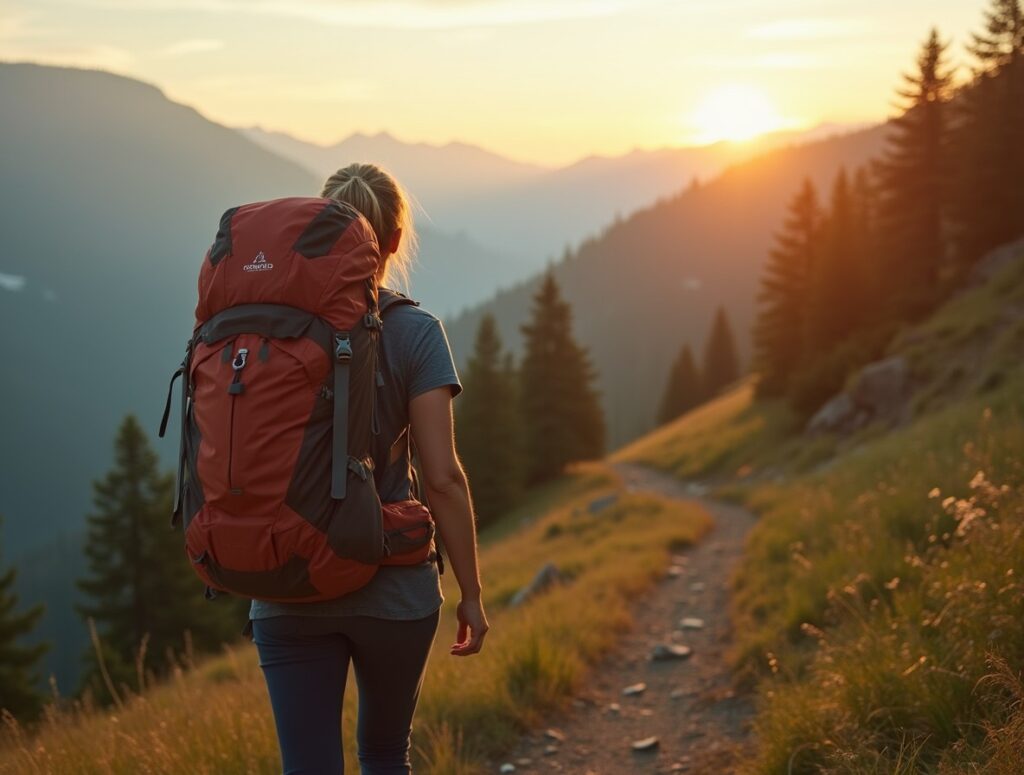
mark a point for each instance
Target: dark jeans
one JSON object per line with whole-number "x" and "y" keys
{"x": 305, "y": 662}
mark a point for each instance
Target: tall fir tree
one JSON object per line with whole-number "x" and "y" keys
{"x": 18, "y": 678}
{"x": 915, "y": 185}
{"x": 837, "y": 288}
{"x": 865, "y": 202}
{"x": 779, "y": 330}
{"x": 721, "y": 363}
{"x": 684, "y": 389}
{"x": 989, "y": 205}
{"x": 561, "y": 412}
{"x": 139, "y": 587}
{"x": 489, "y": 426}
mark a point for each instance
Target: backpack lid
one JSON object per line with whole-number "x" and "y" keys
{"x": 313, "y": 253}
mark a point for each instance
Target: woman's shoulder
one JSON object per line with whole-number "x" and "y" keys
{"x": 407, "y": 311}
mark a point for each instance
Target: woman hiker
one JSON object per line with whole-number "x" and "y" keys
{"x": 385, "y": 628}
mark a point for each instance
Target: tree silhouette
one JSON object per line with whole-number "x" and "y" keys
{"x": 489, "y": 426}
{"x": 684, "y": 389}
{"x": 915, "y": 184}
{"x": 838, "y": 280}
{"x": 560, "y": 409}
{"x": 783, "y": 296}
{"x": 721, "y": 362}
{"x": 141, "y": 593}
{"x": 18, "y": 680}
{"x": 989, "y": 206}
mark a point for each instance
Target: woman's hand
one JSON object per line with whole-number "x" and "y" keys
{"x": 470, "y": 614}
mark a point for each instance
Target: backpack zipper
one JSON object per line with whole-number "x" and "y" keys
{"x": 236, "y": 388}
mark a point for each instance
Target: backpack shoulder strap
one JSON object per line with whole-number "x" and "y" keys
{"x": 388, "y": 298}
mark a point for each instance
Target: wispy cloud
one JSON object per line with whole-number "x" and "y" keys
{"x": 29, "y": 36}
{"x": 772, "y": 60}
{"x": 191, "y": 46}
{"x": 807, "y": 29}
{"x": 400, "y": 14}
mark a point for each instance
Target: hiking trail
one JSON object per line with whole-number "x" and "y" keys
{"x": 689, "y": 703}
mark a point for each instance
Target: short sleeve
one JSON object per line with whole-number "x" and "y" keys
{"x": 431, "y": 362}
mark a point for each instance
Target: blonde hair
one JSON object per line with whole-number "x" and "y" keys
{"x": 377, "y": 195}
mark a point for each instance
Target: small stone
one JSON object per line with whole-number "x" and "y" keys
{"x": 697, "y": 586}
{"x": 634, "y": 689}
{"x": 614, "y": 708}
{"x": 647, "y": 744}
{"x": 555, "y": 734}
{"x": 677, "y": 694}
{"x": 678, "y": 767}
{"x": 674, "y": 571}
{"x": 550, "y": 750}
{"x": 507, "y": 767}
{"x": 666, "y": 651}
{"x": 691, "y": 623}
{"x": 646, "y": 712}
{"x": 524, "y": 761}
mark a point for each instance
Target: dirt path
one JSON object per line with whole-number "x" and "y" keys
{"x": 688, "y": 704}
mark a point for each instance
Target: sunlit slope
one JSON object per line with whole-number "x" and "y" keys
{"x": 216, "y": 719}
{"x": 651, "y": 281}
{"x": 879, "y": 601}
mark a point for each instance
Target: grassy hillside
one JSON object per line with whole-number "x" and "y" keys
{"x": 878, "y": 606}
{"x": 214, "y": 717}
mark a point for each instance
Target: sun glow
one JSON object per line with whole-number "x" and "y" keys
{"x": 735, "y": 112}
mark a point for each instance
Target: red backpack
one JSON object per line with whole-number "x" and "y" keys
{"x": 276, "y": 486}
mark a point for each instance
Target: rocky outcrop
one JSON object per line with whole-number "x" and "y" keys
{"x": 546, "y": 576}
{"x": 994, "y": 262}
{"x": 879, "y": 392}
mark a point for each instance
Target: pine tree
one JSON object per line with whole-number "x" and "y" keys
{"x": 989, "y": 207}
{"x": 865, "y": 205}
{"x": 488, "y": 426}
{"x": 560, "y": 408}
{"x": 721, "y": 361}
{"x": 141, "y": 591}
{"x": 684, "y": 389}
{"x": 779, "y": 330}
{"x": 837, "y": 290}
{"x": 915, "y": 184}
{"x": 18, "y": 680}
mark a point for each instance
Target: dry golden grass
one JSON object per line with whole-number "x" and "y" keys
{"x": 215, "y": 717}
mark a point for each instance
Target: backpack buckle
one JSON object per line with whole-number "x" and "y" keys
{"x": 342, "y": 347}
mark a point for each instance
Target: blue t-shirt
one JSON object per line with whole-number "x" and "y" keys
{"x": 416, "y": 358}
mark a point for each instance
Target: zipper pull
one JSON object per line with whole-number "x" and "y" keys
{"x": 236, "y": 387}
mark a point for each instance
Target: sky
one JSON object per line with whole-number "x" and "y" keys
{"x": 547, "y": 82}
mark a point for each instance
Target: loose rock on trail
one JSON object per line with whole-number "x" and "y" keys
{"x": 662, "y": 701}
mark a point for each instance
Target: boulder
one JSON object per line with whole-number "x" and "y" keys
{"x": 546, "y": 576}
{"x": 878, "y": 392}
{"x": 992, "y": 263}
{"x": 881, "y": 387}
{"x": 600, "y": 504}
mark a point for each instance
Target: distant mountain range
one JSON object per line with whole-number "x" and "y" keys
{"x": 528, "y": 212}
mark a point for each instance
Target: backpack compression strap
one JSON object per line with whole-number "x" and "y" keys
{"x": 339, "y": 453}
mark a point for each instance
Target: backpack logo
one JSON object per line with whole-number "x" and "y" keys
{"x": 259, "y": 264}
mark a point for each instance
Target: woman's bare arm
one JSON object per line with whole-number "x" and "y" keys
{"x": 430, "y": 419}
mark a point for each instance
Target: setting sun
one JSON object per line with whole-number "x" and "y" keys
{"x": 735, "y": 112}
